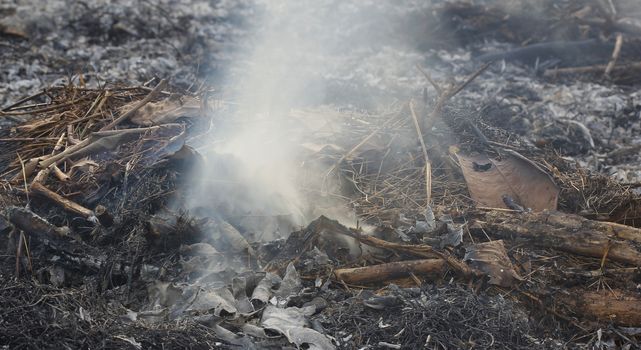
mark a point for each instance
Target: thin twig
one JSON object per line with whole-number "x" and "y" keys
{"x": 140, "y": 104}
{"x": 615, "y": 55}
{"x": 27, "y": 251}
{"x": 42, "y": 175}
{"x": 428, "y": 164}
{"x": 451, "y": 92}
{"x": 46, "y": 109}
{"x": 469, "y": 80}
{"x": 427, "y": 75}
{"x": 19, "y": 253}
{"x": 23, "y": 100}
{"x": 26, "y": 139}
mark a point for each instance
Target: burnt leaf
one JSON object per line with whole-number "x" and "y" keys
{"x": 513, "y": 176}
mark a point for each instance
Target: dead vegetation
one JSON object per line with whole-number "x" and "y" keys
{"x": 470, "y": 234}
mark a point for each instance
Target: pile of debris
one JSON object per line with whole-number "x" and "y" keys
{"x": 90, "y": 175}
{"x": 470, "y": 233}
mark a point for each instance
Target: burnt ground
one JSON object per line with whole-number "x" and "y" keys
{"x": 141, "y": 293}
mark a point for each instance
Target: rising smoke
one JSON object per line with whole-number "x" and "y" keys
{"x": 254, "y": 177}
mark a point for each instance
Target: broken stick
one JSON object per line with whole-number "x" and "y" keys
{"x": 421, "y": 250}
{"x": 66, "y": 204}
{"x": 390, "y": 271}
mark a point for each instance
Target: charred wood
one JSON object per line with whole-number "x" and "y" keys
{"x": 33, "y": 224}
{"x": 104, "y": 217}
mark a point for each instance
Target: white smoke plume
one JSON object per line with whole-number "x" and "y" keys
{"x": 253, "y": 175}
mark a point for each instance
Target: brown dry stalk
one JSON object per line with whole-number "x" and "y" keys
{"x": 428, "y": 164}
{"x": 615, "y": 55}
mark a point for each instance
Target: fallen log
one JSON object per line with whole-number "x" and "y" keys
{"x": 390, "y": 271}
{"x": 619, "y": 307}
{"x": 566, "y": 232}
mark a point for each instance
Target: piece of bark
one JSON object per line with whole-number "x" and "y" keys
{"x": 66, "y": 204}
{"x": 566, "y": 232}
{"x": 490, "y": 181}
{"x": 619, "y": 307}
{"x": 390, "y": 271}
{"x": 491, "y": 258}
